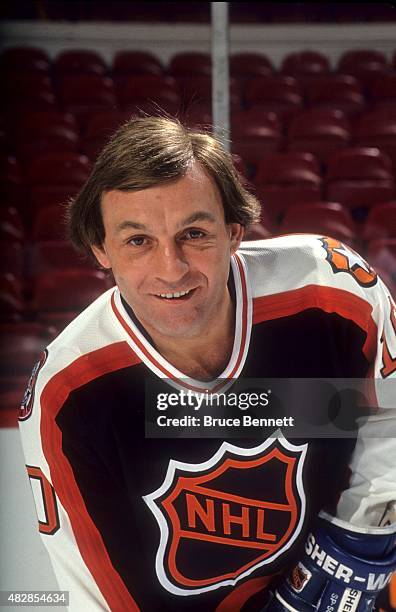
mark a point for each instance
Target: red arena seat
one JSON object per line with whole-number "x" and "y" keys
{"x": 66, "y": 168}
{"x": 285, "y": 179}
{"x": 49, "y": 223}
{"x": 24, "y": 59}
{"x": 337, "y": 92}
{"x": 129, "y": 63}
{"x": 12, "y": 258}
{"x": 45, "y": 132}
{"x": 250, "y": 65}
{"x": 381, "y": 221}
{"x": 365, "y": 64}
{"x": 189, "y": 63}
{"x": 26, "y": 93}
{"x": 11, "y": 224}
{"x": 381, "y": 253}
{"x": 13, "y": 190}
{"x": 79, "y": 61}
{"x": 60, "y": 295}
{"x": 279, "y": 94}
{"x": 319, "y": 131}
{"x": 100, "y": 127}
{"x": 150, "y": 92}
{"x": 378, "y": 129}
{"x": 56, "y": 177}
{"x": 383, "y": 91}
{"x": 84, "y": 95}
{"x": 197, "y": 89}
{"x": 255, "y": 135}
{"x": 11, "y": 298}
{"x": 305, "y": 66}
{"x": 359, "y": 177}
{"x": 305, "y": 63}
{"x": 55, "y": 255}
{"x": 326, "y": 218}
{"x": 20, "y": 348}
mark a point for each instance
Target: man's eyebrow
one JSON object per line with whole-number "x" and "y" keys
{"x": 130, "y": 225}
{"x": 200, "y": 215}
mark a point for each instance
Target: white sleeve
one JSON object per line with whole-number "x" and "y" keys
{"x": 370, "y": 499}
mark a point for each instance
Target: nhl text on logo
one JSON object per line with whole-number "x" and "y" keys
{"x": 239, "y": 510}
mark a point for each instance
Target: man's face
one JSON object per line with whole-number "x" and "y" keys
{"x": 169, "y": 249}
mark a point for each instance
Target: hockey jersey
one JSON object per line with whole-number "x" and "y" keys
{"x": 205, "y": 524}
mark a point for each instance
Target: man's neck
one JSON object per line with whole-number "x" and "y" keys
{"x": 202, "y": 357}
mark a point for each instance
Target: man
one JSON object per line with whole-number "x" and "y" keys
{"x": 202, "y": 524}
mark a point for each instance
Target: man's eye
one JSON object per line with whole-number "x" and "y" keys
{"x": 137, "y": 241}
{"x": 194, "y": 234}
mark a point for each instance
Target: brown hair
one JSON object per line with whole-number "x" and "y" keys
{"x": 148, "y": 151}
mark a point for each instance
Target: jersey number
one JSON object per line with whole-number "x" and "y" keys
{"x": 51, "y": 523}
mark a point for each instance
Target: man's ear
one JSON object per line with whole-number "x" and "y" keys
{"x": 101, "y": 255}
{"x": 236, "y": 236}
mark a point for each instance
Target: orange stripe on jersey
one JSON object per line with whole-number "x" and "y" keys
{"x": 329, "y": 300}
{"x": 89, "y": 540}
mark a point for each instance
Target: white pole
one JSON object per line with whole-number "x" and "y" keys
{"x": 220, "y": 72}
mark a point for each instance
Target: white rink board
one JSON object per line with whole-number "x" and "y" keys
{"x": 24, "y": 562}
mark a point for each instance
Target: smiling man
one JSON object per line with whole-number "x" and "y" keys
{"x": 169, "y": 249}
{"x": 202, "y": 524}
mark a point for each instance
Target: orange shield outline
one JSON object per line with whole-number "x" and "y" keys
{"x": 196, "y": 509}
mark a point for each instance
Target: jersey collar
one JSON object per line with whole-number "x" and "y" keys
{"x": 162, "y": 368}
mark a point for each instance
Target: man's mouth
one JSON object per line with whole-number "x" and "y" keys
{"x": 175, "y": 295}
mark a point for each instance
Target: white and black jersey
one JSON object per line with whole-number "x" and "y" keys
{"x": 204, "y": 524}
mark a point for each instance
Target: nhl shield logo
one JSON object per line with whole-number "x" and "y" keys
{"x": 239, "y": 511}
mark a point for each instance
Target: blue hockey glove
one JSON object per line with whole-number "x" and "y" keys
{"x": 341, "y": 570}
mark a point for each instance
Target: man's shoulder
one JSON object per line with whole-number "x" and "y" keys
{"x": 90, "y": 345}
{"x": 296, "y": 261}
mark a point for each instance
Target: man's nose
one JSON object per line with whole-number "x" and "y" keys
{"x": 170, "y": 263}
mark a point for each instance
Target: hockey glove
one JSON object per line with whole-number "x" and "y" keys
{"x": 342, "y": 570}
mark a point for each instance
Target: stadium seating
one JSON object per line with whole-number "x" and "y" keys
{"x": 59, "y": 295}
{"x": 255, "y": 134}
{"x": 245, "y": 66}
{"x": 21, "y": 346}
{"x": 54, "y": 255}
{"x": 24, "y": 60}
{"x": 380, "y": 222}
{"x": 359, "y": 177}
{"x": 381, "y": 253}
{"x": 27, "y": 92}
{"x": 11, "y": 298}
{"x": 287, "y": 179}
{"x": 382, "y": 92}
{"x": 12, "y": 187}
{"x": 336, "y": 92}
{"x": 129, "y": 63}
{"x": 99, "y": 128}
{"x": 83, "y": 95}
{"x": 319, "y": 131}
{"x": 79, "y": 61}
{"x": 378, "y": 129}
{"x": 11, "y": 224}
{"x": 190, "y": 63}
{"x": 366, "y": 65}
{"x": 12, "y": 258}
{"x": 150, "y": 93}
{"x": 279, "y": 94}
{"x": 326, "y": 218}
{"x": 44, "y": 132}
{"x": 305, "y": 66}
